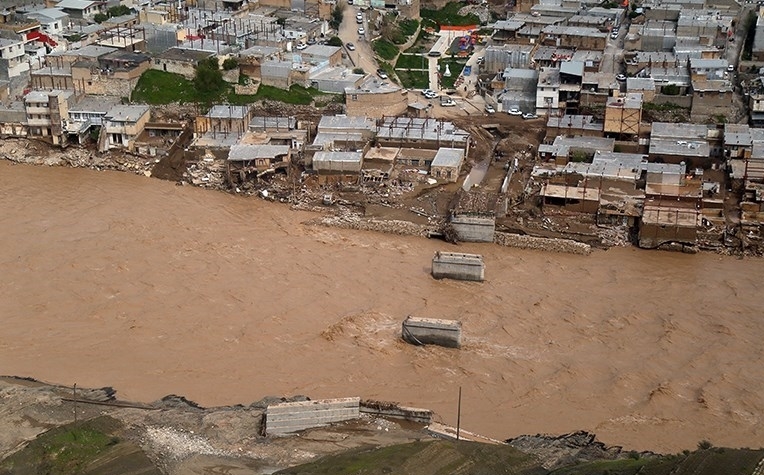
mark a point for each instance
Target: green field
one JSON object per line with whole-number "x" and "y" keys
{"x": 411, "y": 61}
{"x": 413, "y": 79}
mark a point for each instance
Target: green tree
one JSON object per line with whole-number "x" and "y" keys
{"x": 100, "y": 17}
{"x": 337, "y": 16}
{"x": 208, "y": 79}
{"x": 334, "y": 41}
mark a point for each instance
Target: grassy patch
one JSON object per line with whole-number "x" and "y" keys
{"x": 159, "y": 87}
{"x": 434, "y": 458}
{"x": 413, "y": 79}
{"x": 385, "y": 49}
{"x": 449, "y": 15}
{"x": 411, "y": 61}
{"x": 455, "y": 66}
{"x": 408, "y": 26}
{"x": 424, "y": 42}
{"x": 84, "y": 448}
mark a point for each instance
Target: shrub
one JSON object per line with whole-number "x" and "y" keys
{"x": 334, "y": 41}
{"x": 230, "y": 63}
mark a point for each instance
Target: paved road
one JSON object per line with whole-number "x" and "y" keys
{"x": 363, "y": 56}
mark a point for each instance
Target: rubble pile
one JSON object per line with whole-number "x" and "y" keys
{"x": 39, "y": 153}
{"x": 355, "y": 221}
{"x": 207, "y": 173}
{"x": 543, "y": 244}
{"x": 615, "y": 236}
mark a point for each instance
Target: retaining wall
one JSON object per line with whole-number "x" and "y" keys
{"x": 474, "y": 229}
{"x": 291, "y": 417}
{"x": 454, "y": 265}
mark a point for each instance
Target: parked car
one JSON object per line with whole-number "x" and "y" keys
{"x": 514, "y": 111}
{"x": 614, "y": 35}
{"x": 489, "y": 109}
{"x": 382, "y": 73}
{"x": 530, "y": 115}
{"x": 427, "y": 91}
{"x": 312, "y": 41}
{"x": 350, "y": 46}
{"x": 434, "y": 54}
{"x": 446, "y": 101}
{"x": 731, "y": 68}
{"x": 620, "y": 77}
{"x": 301, "y": 46}
{"x": 361, "y": 31}
{"x": 430, "y": 94}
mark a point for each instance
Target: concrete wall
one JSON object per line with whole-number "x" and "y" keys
{"x": 429, "y": 331}
{"x": 454, "y": 265}
{"x": 393, "y": 410}
{"x": 291, "y": 417}
{"x": 474, "y": 229}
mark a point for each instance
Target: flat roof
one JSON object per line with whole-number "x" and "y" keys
{"x": 687, "y": 148}
{"x": 448, "y": 157}
{"x": 243, "y": 152}
{"x": 127, "y": 113}
{"x": 570, "y": 192}
{"x": 273, "y": 122}
{"x": 184, "y": 54}
{"x": 75, "y": 4}
{"x": 670, "y": 216}
{"x": 321, "y": 50}
{"x": 573, "y": 31}
{"x": 345, "y": 122}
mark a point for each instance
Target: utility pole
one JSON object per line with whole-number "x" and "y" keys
{"x": 74, "y": 398}
{"x": 459, "y": 413}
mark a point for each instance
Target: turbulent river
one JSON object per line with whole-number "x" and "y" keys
{"x": 114, "y": 279}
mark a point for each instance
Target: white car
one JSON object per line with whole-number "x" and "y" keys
{"x": 361, "y": 31}
{"x": 427, "y": 91}
{"x": 301, "y": 46}
{"x": 530, "y": 115}
{"x": 489, "y": 109}
{"x": 620, "y": 77}
{"x": 515, "y": 111}
{"x": 350, "y": 46}
{"x": 431, "y": 94}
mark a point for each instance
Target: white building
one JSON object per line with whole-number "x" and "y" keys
{"x": 12, "y": 59}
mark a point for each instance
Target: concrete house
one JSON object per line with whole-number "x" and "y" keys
{"x": 246, "y": 160}
{"x": 53, "y": 21}
{"x": 12, "y": 59}
{"x": 373, "y": 98}
{"x": 447, "y": 164}
{"x": 122, "y": 124}
{"x": 623, "y": 114}
{"x": 48, "y": 113}
{"x": 180, "y": 61}
{"x": 80, "y": 9}
{"x": 548, "y": 92}
{"x": 574, "y": 37}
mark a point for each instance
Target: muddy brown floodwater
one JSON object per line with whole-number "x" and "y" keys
{"x": 114, "y": 279}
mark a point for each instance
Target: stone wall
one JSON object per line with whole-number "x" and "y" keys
{"x": 473, "y": 229}
{"x": 543, "y": 244}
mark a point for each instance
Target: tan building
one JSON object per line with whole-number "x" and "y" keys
{"x": 180, "y": 61}
{"x": 375, "y": 99}
{"x": 47, "y": 114}
{"x": 623, "y": 114}
{"x": 447, "y": 164}
{"x": 122, "y": 124}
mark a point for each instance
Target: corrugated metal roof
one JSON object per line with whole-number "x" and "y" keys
{"x": 239, "y": 153}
